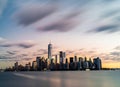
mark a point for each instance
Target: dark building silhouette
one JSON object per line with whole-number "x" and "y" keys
{"x": 66, "y": 64}
{"x": 80, "y": 63}
{"x": 16, "y": 66}
{"x": 38, "y": 60}
{"x": 62, "y": 56}
{"x": 90, "y": 64}
{"x": 56, "y": 59}
{"x": 27, "y": 67}
{"x": 71, "y": 65}
{"x": 34, "y": 65}
{"x": 49, "y": 50}
{"x": 74, "y": 63}
{"x": 97, "y": 63}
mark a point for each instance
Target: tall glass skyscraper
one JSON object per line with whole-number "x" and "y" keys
{"x": 97, "y": 63}
{"x": 62, "y": 57}
{"x": 49, "y": 50}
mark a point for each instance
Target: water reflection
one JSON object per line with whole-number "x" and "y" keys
{"x": 61, "y": 79}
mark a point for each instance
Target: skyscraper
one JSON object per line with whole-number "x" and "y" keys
{"x": 38, "y": 60}
{"x": 75, "y": 62}
{"x": 71, "y": 65}
{"x": 49, "y": 50}
{"x": 16, "y": 66}
{"x": 56, "y": 59}
{"x": 66, "y": 64}
{"x": 97, "y": 63}
{"x": 34, "y": 65}
{"x": 62, "y": 57}
{"x": 80, "y": 63}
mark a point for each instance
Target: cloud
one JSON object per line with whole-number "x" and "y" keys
{"x": 27, "y": 59}
{"x": 10, "y": 59}
{"x": 71, "y": 20}
{"x": 105, "y": 28}
{"x": 21, "y": 44}
{"x": 117, "y": 48}
{"x": 33, "y": 13}
{"x": 43, "y": 51}
{"x": 7, "y": 45}
{"x": 110, "y": 13}
{"x": 3, "y": 4}
{"x": 58, "y": 19}
{"x": 12, "y": 52}
{"x": 68, "y": 52}
{"x": 4, "y": 58}
{"x": 40, "y": 52}
{"x": 25, "y": 45}
{"x": 29, "y": 13}
{"x": 103, "y": 20}
{"x": 115, "y": 53}
{"x": 14, "y": 58}
{"x": 2, "y": 40}
{"x": 91, "y": 52}
{"x": 113, "y": 56}
{"x": 107, "y": 1}
{"x": 24, "y": 55}
{"x": 65, "y": 24}
{"x": 82, "y": 49}
{"x": 82, "y": 52}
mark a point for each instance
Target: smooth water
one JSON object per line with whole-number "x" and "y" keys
{"x": 60, "y": 79}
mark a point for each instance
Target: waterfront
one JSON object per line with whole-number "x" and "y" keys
{"x": 60, "y": 79}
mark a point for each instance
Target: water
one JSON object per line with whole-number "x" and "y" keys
{"x": 60, "y": 79}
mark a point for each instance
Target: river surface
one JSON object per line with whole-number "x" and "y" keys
{"x": 60, "y": 79}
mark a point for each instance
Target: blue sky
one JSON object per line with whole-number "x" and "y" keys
{"x": 80, "y": 27}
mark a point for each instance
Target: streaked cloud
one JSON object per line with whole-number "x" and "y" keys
{"x": 111, "y": 13}
{"x": 25, "y": 45}
{"x": 9, "y": 58}
{"x": 24, "y": 55}
{"x": 68, "y": 52}
{"x": 117, "y": 48}
{"x": 3, "y": 4}
{"x": 43, "y": 51}
{"x": 12, "y": 52}
{"x": 40, "y": 52}
{"x": 4, "y": 57}
{"x": 2, "y": 40}
{"x": 82, "y": 52}
{"x": 66, "y": 23}
{"x": 14, "y": 58}
{"x": 27, "y": 59}
{"x": 115, "y": 53}
{"x": 106, "y": 28}
{"x": 33, "y": 13}
{"x": 20, "y": 44}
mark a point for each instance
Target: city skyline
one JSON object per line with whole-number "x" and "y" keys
{"x": 76, "y": 27}
{"x": 58, "y": 58}
{"x": 58, "y": 63}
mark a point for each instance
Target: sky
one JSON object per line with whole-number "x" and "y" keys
{"x": 79, "y": 27}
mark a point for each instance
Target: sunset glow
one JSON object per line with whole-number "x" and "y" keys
{"x": 78, "y": 27}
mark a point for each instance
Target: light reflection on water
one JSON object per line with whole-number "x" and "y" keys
{"x": 61, "y": 79}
